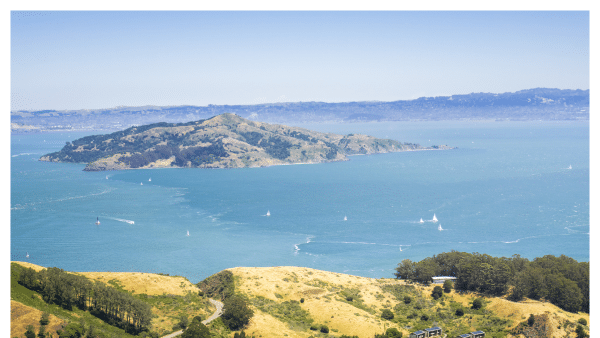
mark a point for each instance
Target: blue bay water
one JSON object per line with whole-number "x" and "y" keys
{"x": 506, "y": 190}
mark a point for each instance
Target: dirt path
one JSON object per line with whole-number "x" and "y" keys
{"x": 218, "y": 312}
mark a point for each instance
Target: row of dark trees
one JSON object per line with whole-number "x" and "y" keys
{"x": 561, "y": 280}
{"x": 68, "y": 290}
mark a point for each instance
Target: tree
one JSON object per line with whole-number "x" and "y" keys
{"x": 196, "y": 330}
{"x": 581, "y": 332}
{"x": 477, "y": 304}
{"x": 387, "y": 314}
{"x": 30, "y": 333}
{"x": 236, "y": 314}
{"x": 72, "y": 330}
{"x": 437, "y": 292}
{"x": 393, "y": 332}
{"x": 448, "y": 286}
{"x": 44, "y": 320}
{"x": 530, "y": 320}
{"x": 407, "y": 299}
{"x": 405, "y": 270}
{"x": 582, "y": 321}
{"x": 459, "y": 312}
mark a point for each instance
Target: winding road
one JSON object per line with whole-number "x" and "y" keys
{"x": 218, "y": 312}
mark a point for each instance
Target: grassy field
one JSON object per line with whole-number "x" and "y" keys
{"x": 289, "y": 301}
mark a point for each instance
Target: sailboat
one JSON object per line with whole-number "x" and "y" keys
{"x": 141, "y": 183}
{"x": 150, "y": 179}
{"x": 421, "y": 221}
{"x": 570, "y": 167}
{"x": 434, "y": 219}
{"x": 268, "y": 213}
{"x": 345, "y": 218}
{"x": 97, "y": 221}
{"x": 188, "y": 233}
{"x": 106, "y": 176}
{"x": 440, "y": 227}
{"x": 27, "y": 255}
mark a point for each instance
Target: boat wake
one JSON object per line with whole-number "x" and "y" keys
{"x": 121, "y": 220}
{"x": 23, "y": 154}
{"x": 296, "y": 246}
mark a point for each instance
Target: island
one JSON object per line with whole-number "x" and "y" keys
{"x": 223, "y": 141}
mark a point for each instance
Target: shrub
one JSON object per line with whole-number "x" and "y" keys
{"x": 45, "y": 319}
{"x": 437, "y": 292}
{"x": 407, "y": 300}
{"x": 448, "y": 286}
{"x": 530, "y": 320}
{"x": 301, "y": 300}
{"x": 349, "y": 298}
{"x": 387, "y": 314}
{"x": 314, "y": 327}
{"x": 582, "y": 321}
{"x": 424, "y": 317}
{"x": 393, "y": 332}
{"x": 459, "y": 312}
{"x": 477, "y": 304}
{"x": 581, "y": 332}
{"x": 30, "y": 333}
{"x": 236, "y": 314}
{"x": 324, "y": 329}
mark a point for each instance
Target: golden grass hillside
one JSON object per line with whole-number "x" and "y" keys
{"x": 322, "y": 292}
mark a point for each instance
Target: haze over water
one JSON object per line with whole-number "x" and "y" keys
{"x": 506, "y": 190}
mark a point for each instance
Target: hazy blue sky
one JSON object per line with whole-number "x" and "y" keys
{"x": 77, "y": 60}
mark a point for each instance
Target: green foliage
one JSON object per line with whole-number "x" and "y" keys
{"x": 30, "y": 331}
{"x": 301, "y": 300}
{"x": 72, "y": 330}
{"x": 580, "y": 331}
{"x": 393, "y": 332}
{"x": 407, "y": 299}
{"x": 387, "y": 314}
{"x": 437, "y": 292}
{"x": 530, "y": 320}
{"x": 219, "y": 285}
{"x": 561, "y": 280}
{"x": 196, "y": 330}
{"x": 236, "y": 313}
{"x": 477, "y": 304}
{"x": 424, "y": 317}
{"x": 448, "y": 286}
{"x": 582, "y": 321}
{"x": 45, "y": 319}
{"x": 324, "y": 329}
{"x": 459, "y": 312}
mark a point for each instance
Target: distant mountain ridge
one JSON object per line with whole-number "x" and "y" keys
{"x": 223, "y": 141}
{"x": 531, "y": 104}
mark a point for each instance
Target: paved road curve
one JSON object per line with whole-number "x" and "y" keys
{"x": 214, "y": 316}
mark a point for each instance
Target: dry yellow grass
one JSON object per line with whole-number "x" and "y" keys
{"x": 319, "y": 289}
{"x": 23, "y": 315}
{"x": 148, "y": 283}
{"x": 30, "y": 265}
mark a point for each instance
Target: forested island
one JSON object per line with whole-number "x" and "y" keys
{"x": 504, "y": 297}
{"x": 223, "y": 141}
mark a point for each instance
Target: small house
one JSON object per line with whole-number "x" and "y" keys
{"x": 477, "y": 334}
{"x": 433, "y": 332}
{"x": 442, "y": 279}
{"x": 418, "y": 334}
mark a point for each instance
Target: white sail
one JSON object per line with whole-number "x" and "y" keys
{"x": 150, "y": 179}
{"x": 97, "y": 221}
{"x": 400, "y": 248}
{"x": 106, "y": 176}
{"x": 268, "y": 213}
{"x": 345, "y": 218}
{"x": 570, "y": 167}
{"x": 434, "y": 219}
{"x": 141, "y": 183}
{"x": 440, "y": 227}
{"x": 27, "y": 256}
{"x": 188, "y": 233}
{"x": 421, "y": 221}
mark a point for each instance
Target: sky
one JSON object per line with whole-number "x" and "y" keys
{"x": 65, "y": 60}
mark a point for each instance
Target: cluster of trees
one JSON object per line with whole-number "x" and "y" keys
{"x": 67, "y": 290}
{"x": 560, "y": 280}
{"x": 236, "y": 312}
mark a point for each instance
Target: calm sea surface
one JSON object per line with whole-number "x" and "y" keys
{"x": 506, "y": 190}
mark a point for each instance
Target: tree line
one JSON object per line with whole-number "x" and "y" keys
{"x": 68, "y": 290}
{"x": 561, "y": 280}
